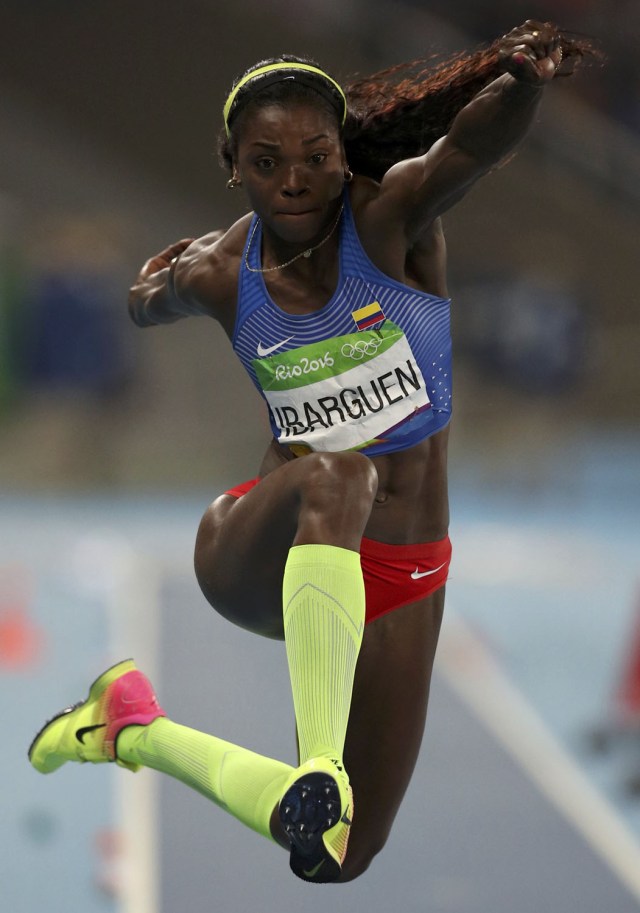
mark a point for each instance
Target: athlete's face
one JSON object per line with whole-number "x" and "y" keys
{"x": 292, "y": 166}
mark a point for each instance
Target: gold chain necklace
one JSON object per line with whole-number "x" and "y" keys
{"x": 304, "y": 253}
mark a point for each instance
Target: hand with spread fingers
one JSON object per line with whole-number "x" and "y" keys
{"x": 532, "y": 52}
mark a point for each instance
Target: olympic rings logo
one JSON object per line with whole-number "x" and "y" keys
{"x": 358, "y": 350}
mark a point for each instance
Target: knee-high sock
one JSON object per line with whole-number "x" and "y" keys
{"x": 324, "y": 607}
{"x": 245, "y": 784}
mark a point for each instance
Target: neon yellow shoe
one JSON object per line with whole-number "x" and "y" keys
{"x": 316, "y": 812}
{"x": 87, "y": 731}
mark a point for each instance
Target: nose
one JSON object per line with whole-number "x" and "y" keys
{"x": 295, "y": 182}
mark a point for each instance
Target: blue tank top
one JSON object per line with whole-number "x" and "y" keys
{"x": 369, "y": 371}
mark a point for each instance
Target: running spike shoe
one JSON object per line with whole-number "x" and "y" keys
{"x": 87, "y": 731}
{"x": 316, "y": 812}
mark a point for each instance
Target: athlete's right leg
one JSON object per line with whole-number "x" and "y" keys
{"x": 299, "y": 531}
{"x": 303, "y": 524}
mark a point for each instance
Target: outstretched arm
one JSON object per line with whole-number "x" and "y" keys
{"x": 483, "y": 133}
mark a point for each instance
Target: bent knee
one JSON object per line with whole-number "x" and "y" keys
{"x": 336, "y": 476}
{"x": 336, "y": 492}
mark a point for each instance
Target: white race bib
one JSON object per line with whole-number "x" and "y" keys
{"x": 344, "y": 393}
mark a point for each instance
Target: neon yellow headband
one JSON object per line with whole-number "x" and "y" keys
{"x": 273, "y": 67}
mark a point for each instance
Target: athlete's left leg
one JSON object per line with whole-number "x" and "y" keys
{"x": 386, "y": 722}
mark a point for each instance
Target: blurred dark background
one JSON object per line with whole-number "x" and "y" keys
{"x": 109, "y": 116}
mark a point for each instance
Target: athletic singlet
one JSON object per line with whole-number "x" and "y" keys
{"x": 369, "y": 371}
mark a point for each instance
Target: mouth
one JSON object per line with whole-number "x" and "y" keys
{"x": 295, "y": 212}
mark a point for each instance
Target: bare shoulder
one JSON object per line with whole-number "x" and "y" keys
{"x": 209, "y": 259}
{"x": 402, "y": 180}
{"x": 389, "y": 205}
{"x": 207, "y": 271}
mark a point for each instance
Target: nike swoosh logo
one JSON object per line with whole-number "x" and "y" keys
{"x": 84, "y": 730}
{"x": 263, "y": 351}
{"x": 314, "y": 870}
{"x": 418, "y": 574}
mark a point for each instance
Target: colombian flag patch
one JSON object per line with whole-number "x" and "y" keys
{"x": 369, "y": 316}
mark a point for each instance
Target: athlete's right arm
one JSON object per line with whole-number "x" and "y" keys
{"x": 153, "y": 298}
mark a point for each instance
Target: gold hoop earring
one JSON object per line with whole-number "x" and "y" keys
{"x": 233, "y": 182}
{"x": 348, "y": 176}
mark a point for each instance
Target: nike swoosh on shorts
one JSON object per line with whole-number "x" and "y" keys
{"x": 418, "y": 574}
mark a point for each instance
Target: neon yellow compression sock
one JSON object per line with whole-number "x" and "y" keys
{"x": 324, "y": 608}
{"x": 245, "y": 784}
{"x": 324, "y": 619}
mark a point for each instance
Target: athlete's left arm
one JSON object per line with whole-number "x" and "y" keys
{"x": 483, "y": 133}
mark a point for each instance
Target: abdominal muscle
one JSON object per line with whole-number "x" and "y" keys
{"x": 411, "y": 504}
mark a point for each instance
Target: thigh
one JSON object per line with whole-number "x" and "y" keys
{"x": 243, "y": 543}
{"x": 387, "y": 719}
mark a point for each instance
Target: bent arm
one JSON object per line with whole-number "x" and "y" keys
{"x": 153, "y": 298}
{"x": 483, "y": 133}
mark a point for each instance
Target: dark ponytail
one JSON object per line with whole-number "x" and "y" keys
{"x": 400, "y": 112}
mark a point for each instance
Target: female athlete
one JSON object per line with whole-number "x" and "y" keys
{"x": 332, "y": 291}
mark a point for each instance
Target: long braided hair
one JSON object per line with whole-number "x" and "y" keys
{"x": 399, "y": 112}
